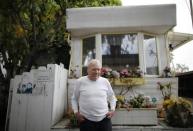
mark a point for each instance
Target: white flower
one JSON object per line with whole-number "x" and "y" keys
{"x": 115, "y": 74}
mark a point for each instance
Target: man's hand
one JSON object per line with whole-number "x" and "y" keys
{"x": 80, "y": 117}
{"x": 110, "y": 114}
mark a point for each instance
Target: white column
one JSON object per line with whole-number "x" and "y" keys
{"x": 98, "y": 47}
{"x": 141, "y": 52}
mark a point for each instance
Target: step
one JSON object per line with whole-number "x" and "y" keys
{"x": 61, "y": 126}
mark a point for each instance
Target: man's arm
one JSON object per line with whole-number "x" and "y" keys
{"x": 111, "y": 98}
{"x": 112, "y": 101}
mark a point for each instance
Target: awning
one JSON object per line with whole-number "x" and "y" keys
{"x": 176, "y": 39}
{"x": 156, "y": 19}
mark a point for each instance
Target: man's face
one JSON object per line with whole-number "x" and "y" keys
{"x": 93, "y": 72}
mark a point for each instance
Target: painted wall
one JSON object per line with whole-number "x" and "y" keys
{"x": 39, "y": 99}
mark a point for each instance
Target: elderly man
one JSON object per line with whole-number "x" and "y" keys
{"x": 91, "y": 98}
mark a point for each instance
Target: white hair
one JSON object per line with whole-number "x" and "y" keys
{"x": 95, "y": 62}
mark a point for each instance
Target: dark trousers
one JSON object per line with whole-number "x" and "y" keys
{"x": 103, "y": 125}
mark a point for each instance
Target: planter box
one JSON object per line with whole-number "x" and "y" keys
{"x": 127, "y": 81}
{"x": 137, "y": 116}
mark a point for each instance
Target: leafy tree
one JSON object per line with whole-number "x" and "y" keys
{"x": 181, "y": 68}
{"x": 33, "y": 32}
{"x": 31, "y": 27}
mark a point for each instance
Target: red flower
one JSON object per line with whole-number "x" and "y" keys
{"x": 124, "y": 73}
{"x": 106, "y": 71}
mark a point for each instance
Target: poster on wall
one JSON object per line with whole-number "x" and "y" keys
{"x": 36, "y": 84}
{"x": 41, "y": 84}
{"x": 26, "y": 84}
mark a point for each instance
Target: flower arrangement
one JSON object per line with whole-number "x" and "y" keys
{"x": 109, "y": 73}
{"x": 123, "y": 73}
{"x": 121, "y": 101}
{"x": 178, "y": 112}
{"x": 142, "y": 101}
{"x": 73, "y": 72}
{"x": 126, "y": 79}
{"x": 137, "y": 101}
{"x": 167, "y": 72}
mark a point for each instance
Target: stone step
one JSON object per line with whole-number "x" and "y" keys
{"x": 130, "y": 128}
{"x": 162, "y": 126}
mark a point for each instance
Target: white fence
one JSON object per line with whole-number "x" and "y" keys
{"x": 38, "y": 99}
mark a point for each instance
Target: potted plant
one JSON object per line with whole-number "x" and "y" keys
{"x": 178, "y": 112}
{"x": 135, "y": 111}
{"x": 137, "y": 101}
{"x": 124, "y": 79}
{"x": 167, "y": 72}
{"x": 139, "y": 110}
{"x": 142, "y": 101}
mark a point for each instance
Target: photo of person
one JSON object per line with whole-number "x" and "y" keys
{"x": 105, "y": 46}
{"x": 129, "y": 45}
{"x": 90, "y": 55}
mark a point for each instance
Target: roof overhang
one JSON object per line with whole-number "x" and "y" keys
{"x": 177, "y": 39}
{"x": 157, "y": 19}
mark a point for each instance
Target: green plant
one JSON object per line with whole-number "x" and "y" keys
{"x": 178, "y": 112}
{"x": 121, "y": 101}
{"x": 73, "y": 120}
{"x": 137, "y": 101}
